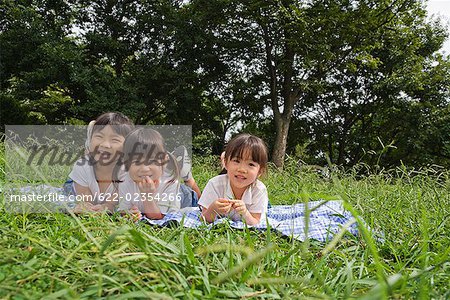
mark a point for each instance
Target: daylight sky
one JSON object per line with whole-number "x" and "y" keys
{"x": 441, "y": 8}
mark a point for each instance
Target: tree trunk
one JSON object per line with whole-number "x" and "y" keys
{"x": 279, "y": 149}
{"x": 341, "y": 154}
{"x": 290, "y": 97}
{"x": 330, "y": 146}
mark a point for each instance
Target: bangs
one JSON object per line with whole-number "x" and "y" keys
{"x": 119, "y": 129}
{"x": 119, "y": 123}
{"x": 255, "y": 154}
{"x": 144, "y": 152}
{"x": 247, "y": 147}
{"x": 144, "y": 146}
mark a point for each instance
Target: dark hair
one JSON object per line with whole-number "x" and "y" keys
{"x": 247, "y": 144}
{"x": 147, "y": 144}
{"x": 120, "y": 123}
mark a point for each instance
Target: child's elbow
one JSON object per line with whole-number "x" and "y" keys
{"x": 253, "y": 219}
{"x": 253, "y": 222}
{"x": 154, "y": 216}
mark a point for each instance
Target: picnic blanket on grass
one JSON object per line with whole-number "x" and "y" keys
{"x": 326, "y": 218}
{"x": 321, "y": 221}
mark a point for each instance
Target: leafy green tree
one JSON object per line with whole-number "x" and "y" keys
{"x": 35, "y": 51}
{"x": 394, "y": 100}
{"x": 296, "y": 52}
{"x": 136, "y": 62}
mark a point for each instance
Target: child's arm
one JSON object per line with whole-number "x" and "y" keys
{"x": 110, "y": 205}
{"x": 151, "y": 209}
{"x": 86, "y": 205}
{"x": 219, "y": 207}
{"x": 148, "y": 187}
{"x": 193, "y": 185}
{"x": 85, "y": 191}
{"x": 212, "y": 201}
{"x": 241, "y": 208}
{"x": 81, "y": 175}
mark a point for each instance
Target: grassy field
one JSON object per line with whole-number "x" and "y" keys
{"x": 58, "y": 256}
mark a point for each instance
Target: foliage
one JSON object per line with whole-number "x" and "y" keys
{"x": 333, "y": 63}
{"x": 63, "y": 256}
{"x": 334, "y": 77}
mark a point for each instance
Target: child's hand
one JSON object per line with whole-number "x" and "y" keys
{"x": 99, "y": 208}
{"x": 87, "y": 207}
{"x": 222, "y": 206}
{"x": 147, "y": 185}
{"x": 83, "y": 207}
{"x": 239, "y": 206}
{"x": 135, "y": 213}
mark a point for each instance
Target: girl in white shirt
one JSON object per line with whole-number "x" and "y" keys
{"x": 238, "y": 194}
{"x": 149, "y": 188}
{"x": 92, "y": 175}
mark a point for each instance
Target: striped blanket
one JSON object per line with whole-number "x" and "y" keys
{"x": 320, "y": 221}
{"x": 324, "y": 219}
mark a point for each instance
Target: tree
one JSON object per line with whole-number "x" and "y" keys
{"x": 291, "y": 50}
{"x": 137, "y": 62}
{"x": 35, "y": 54}
{"x": 391, "y": 96}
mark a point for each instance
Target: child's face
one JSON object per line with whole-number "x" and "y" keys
{"x": 139, "y": 170}
{"x": 242, "y": 171}
{"x": 106, "y": 145}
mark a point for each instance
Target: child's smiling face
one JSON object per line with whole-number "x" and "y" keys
{"x": 242, "y": 171}
{"x": 139, "y": 170}
{"x": 106, "y": 145}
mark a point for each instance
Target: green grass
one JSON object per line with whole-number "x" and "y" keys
{"x": 60, "y": 256}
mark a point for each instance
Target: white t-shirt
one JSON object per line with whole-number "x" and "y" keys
{"x": 166, "y": 195}
{"x": 255, "y": 196}
{"x": 83, "y": 174}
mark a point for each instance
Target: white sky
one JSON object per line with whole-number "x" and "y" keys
{"x": 441, "y": 8}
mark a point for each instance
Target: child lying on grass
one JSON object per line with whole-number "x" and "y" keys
{"x": 238, "y": 194}
{"x": 91, "y": 176}
{"x": 149, "y": 188}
